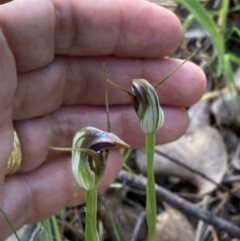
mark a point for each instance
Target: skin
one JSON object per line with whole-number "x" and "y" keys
{"x": 51, "y": 77}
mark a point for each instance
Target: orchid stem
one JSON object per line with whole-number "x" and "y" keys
{"x": 91, "y": 233}
{"x": 151, "y": 196}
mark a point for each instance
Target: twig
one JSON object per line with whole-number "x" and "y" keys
{"x": 141, "y": 220}
{"x": 231, "y": 179}
{"x": 181, "y": 204}
{"x": 214, "y": 233}
{"x": 220, "y": 196}
{"x": 78, "y": 232}
{"x": 200, "y": 225}
{"x": 199, "y": 230}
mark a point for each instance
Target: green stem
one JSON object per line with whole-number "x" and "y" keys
{"x": 10, "y": 224}
{"x": 91, "y": 233}
{"x": 57, "y": 232}
{"x": 151, "y": 196}
{"x": 47, "y": 227}
{"x": 111, "y": 219}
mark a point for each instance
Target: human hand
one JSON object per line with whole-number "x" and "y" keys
{"x": 52, "y": 85}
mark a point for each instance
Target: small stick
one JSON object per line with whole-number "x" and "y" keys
{"x": 231, "y": 179}
{"x": 201, "y": 223}
{"x": 214, "y": 233}
{"x": 77, "y": 231}
{"x": 139, "y": 225}
{"x": 181, "y": 204}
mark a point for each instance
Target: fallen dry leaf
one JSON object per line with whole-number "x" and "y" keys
{"x": 172, "y": 225}
{"x": 226, "y": 108}
{"x": 199, "y": 115}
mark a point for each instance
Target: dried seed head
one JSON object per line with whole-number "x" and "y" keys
{"x": 88, "y": 164}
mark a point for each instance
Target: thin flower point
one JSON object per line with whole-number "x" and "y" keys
{"x": 147, "y": 106}
{"x": 90, "y": 160}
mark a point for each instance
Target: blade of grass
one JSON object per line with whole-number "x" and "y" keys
{"x": 47, "y": 227}
{"x": 127, "y": 168}
{"x": 56, "y": 230}
{"x": 205, "y": 19}
{"x": 10, "y": 224}
{"x": 233, "y": 57}
{"x": 230, "y": 74}
{"x": 229, "y": 69}
{"x": 222, "y": 20}
{"x": 187, "y": 22}
{"x": 230, "y": 35}
{"x": 125, "y": 154}
{"x": 110, "y": 217}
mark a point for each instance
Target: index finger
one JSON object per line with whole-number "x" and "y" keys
{"x": 136, "y": 28}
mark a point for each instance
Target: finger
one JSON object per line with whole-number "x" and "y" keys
{"x": 80, "y": 81}
{"x": 34, "y": 196}
{"x": 8, "y": 83}
{"x": 59, "y": 128}
{"x": 87, "y": 28}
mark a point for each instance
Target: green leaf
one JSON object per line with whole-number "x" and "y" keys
{"x": 234, "y": 58}
{"x": 223, "y": 15}
{"x": 56, "y": 228}
{"x": 205, "y": 19}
